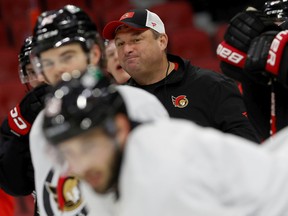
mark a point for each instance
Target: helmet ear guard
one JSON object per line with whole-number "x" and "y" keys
{"x": 24, "y": 60}
{"x": 36, "y": 63}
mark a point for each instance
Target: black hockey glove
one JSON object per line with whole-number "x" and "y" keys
{"x": 21, "y": 117}
{"x": 267, "y": 57}
{"x": 247, "y": 25}
{"x": 243, "y": 28}
{"x": 257, "y": 57}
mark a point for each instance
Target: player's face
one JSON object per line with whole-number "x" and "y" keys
{"x": 34, "y": 81}
{"x": 63, "y": 59}
{"x": 91, "y": 157}
{"x": 139, "y": 52}
{"x": 113, "y": 65}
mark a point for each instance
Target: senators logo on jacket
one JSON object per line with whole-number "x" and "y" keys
{"x": 180, "y": 101}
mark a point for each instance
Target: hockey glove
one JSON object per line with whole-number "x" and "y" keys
{"x": 22, "y": 116}
{"x": 257, "y": 57}
{"x": 243, "y": 28}
{"x": 247, "y": 25}
{"x": 267, "y": 57}
{"x": 232, "y": 60}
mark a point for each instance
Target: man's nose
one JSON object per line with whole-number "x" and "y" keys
{"x": 128, "y": 48}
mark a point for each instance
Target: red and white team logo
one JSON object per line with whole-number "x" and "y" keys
{"x": 180, "y": 101}
{"x": 62, "y": 196}
{"x": 127, "y": 15}
{"x": 17, "y": 123}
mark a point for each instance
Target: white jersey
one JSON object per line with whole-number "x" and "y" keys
{"x": 278, "y": 143}
{"x": 175, "y": 167}
{"x": 47, "y": 179}
{"x": 52, "y": 189}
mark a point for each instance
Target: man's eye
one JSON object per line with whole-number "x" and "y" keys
{"x": 67, "y": 58}
{"x": 47, "y": 64}
{"x": 119, "y": 44}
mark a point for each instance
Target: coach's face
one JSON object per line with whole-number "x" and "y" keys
{"x": 140, "y": 52}
{"x": 66, "y": 58}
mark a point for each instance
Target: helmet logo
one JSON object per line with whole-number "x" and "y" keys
{"x": 180, "y": 101}
{"x": 48, "y": 19}
{"x": 47, "y": 35}
{"x": 72, "y": 9}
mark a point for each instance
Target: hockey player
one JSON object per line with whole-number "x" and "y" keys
{"x": 16, "y": 171}
{"x": 161, "y": 167}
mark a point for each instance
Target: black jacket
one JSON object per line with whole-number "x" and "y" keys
{"x": 16, "y": 169}
{"x": 257, "y": 98}
{"x": 208, "y": 98}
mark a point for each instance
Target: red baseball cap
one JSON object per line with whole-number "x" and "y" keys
{"x": 140, "y": 19}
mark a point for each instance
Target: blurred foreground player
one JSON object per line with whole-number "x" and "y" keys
{"x": 211, "y": 173}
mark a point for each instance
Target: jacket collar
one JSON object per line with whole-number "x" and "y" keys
{"x": 173, "y": 77}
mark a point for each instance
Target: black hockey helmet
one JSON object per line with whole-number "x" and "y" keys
{"x": 276, "y": 9}
{"x": 66, "y": 25}
{"x": 24, "y": 60}
{"x": 59, "y": 27}
{"x": 80, "y": 104}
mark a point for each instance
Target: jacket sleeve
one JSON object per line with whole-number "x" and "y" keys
{"x": 16, "y": 170}
{"x": 229, "y": 111}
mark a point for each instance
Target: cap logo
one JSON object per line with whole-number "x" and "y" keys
{"x": 153, "y": 24}
{"x": 127, "y": 15}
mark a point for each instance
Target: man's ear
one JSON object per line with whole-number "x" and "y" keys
{"x": 95, "y": 54}
{"x": 123, "y": 128}
{"x": 163, "y": 41}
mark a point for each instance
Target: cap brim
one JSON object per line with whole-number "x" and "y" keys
{"x": 110, "y": 29}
